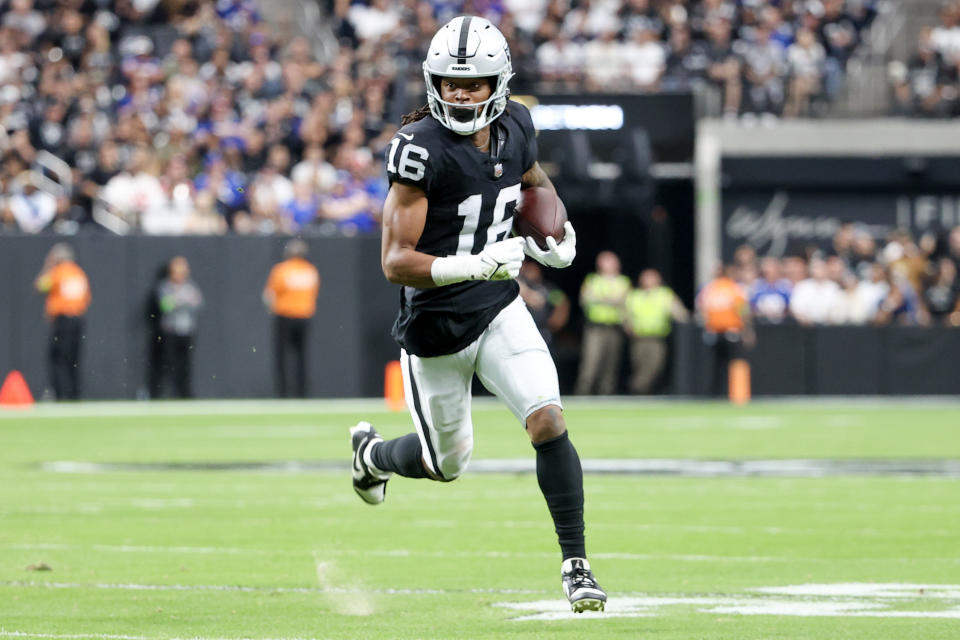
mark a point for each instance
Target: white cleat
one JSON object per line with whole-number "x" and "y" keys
{"x": 369, "y": 482}
{"x": 581, "y": 587}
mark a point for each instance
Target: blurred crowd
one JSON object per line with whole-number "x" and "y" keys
{"x": 860, "y": 281}
{"x": 771, "y": 57}
{"x": 928, "y": 84}
{"x": 196, "y": 116}
{"x": 183, "y": 117}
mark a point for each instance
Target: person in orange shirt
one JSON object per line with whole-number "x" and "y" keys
{"x": 291, "y": 295}
{"x": 724, "y": 309}
{"x": 68, "y": 298}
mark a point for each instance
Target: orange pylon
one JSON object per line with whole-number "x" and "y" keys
{"x": 739, "y": 381}
{"x": 393, "y": 386}
{"x": 15, "y": 392}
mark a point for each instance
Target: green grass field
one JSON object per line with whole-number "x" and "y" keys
{"x": 156, "y": 546}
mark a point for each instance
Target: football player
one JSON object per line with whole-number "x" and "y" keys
{"x": 456, "y": 168}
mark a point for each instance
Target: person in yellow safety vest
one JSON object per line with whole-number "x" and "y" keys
{"x": 602, "y": 297}
{"x": 649, "y": 312}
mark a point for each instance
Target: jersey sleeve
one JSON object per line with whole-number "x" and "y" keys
{"x": 412, "y": 158}
{"x": 529, "y": 151}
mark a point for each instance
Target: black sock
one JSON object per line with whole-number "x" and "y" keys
{"x": 561, "y": 481}
{"x": 400, "y": 455}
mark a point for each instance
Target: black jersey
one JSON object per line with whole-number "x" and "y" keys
{"x": 471, "y": 196}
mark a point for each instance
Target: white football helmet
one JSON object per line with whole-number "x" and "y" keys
{"x": 468, "y": 47}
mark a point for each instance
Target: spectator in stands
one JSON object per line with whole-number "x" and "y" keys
{"x": 602, "y": 297}
{"x": 941, "y": 299}
{"x": 864, "y": 253}
{"x": 764, "y": 70}
{"x": 904, "y": 259}
{"x": 928, "y": 85}
{"x": 130, "y": 194}
{"x": 649, "y": 312}
{"x": 291, "y": 295}
{"x": 870, "y": 294}
{"x": 68, "y": 298}
{"x": 805, "y": 60}
{"x": 604, "y": 62}
{"x": 23, "y": 18}
{"x": 302, "y": 210}
{"x": 592, "y": 19}
{"x": 224, "y": 190}
{"x": 900, "y": 306}
{"x": 725, "y": 66}
{"x": 794, "y": 270}
{"x": 813, "y": 300}
{"x": 945, "y": 37}
{"x": 179, "y": 300}
{"x": 647, "y": 58}
{"x": 687, "y": 61}
{"x": 560, "y": 61}
{"x": 770, "y": 296}
{"x": 839, "y": 35}
{"x": 271, "y": 190}
{"x": 27, "y": 207}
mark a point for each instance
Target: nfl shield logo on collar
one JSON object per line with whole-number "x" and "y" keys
{"x": 498, "y": 170}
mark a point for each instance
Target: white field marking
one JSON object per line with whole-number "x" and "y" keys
{"x": 248, "y": 589}
{"x": 114, "y": 636}
{"x": 408, "y": 553}
{"x": 355, "y": 406}
{"x": 645, "y": 605}
{"x": 797, "y": 468}
{"x": 868, "y": 590}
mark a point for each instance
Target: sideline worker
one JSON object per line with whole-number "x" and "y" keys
{"x": 68, "y": 298}
{"x": 602, "y": 297}
{"x": 649, "y": 312}
{"x": 291, "y": 295}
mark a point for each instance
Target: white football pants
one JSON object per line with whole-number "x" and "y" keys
{"x": 511, "y": 360}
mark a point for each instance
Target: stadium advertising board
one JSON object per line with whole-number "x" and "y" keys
{"x": 805, "y": 205}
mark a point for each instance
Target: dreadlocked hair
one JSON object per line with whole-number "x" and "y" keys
{"x": 413, "y": 116}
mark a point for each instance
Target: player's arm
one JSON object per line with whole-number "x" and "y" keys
{"x": 536, "y": 177}
{"x": 404, "y": 216}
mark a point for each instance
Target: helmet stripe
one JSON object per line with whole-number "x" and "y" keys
{"x": 464, "y": 34}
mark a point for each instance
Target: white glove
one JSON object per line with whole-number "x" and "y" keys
{"x": 556, "y": 255}
{"x": 502, "y": 260}
{"x": 498, "y": 261}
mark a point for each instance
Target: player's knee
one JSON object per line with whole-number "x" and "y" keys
{"x": 453, "y": 463}
{"x": 546, "y": 423}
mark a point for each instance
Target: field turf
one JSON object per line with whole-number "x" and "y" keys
{"x": 157, "y": 521}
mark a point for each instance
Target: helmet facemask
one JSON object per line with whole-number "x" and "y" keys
{"x": 468, "y": 118}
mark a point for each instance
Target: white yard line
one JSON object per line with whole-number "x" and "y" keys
{"x": 685, "y": 467}
{"x": 361, "y": 405}
{"x": 408, "y": 553}
{"x": 113, "y": 636}
{"x": 127, "y": 586}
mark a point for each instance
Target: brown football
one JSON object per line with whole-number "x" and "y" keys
{"x": 540, "y": 213}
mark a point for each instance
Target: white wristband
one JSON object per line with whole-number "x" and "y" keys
{"x": 455, "y": 269}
